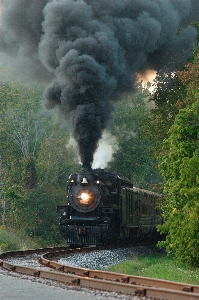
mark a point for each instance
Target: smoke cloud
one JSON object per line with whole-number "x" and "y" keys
{"x": 89, "y": 52}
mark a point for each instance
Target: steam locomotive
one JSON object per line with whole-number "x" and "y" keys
{"x": 103, "y": 209}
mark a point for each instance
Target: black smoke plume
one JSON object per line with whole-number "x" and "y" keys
{"x": 91, "y": 51}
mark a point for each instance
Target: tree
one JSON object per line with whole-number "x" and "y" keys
{"x": 132, "y": 160}
{"x": 56, "y": 159}
{"x": 190, "y": 78}
{"x": 173, "y": 90}
{"x": 179, "y": 166}
{"x": 37, "y": 210}
{"x": 35, "y": 161}
{"x": 20, "y": 131}
{"x": 168, "y": 98}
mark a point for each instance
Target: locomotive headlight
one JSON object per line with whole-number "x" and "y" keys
{"x": 84, "y": 198}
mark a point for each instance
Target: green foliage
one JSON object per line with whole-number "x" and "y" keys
{"x": 173, "y": 129}
{"x": 180, "y": 168}
{"x": 21, "y": 128}
{"x": 183, "y": 233}
{"x": 56, "y": 159}
{"x": 35, "y": 162}
{"x": 132, "y": 159}
{"x": 35, "y": 215}
{"x": 10, "y": 241}
{"x": 38, "y": 211}
{"x": 168, "y": 97}
{"x": 29, "y": 174}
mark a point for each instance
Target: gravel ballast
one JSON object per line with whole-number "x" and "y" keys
{"x": 102, "y": 260}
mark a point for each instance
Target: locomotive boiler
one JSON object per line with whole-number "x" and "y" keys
{"x": 101, "y": 209}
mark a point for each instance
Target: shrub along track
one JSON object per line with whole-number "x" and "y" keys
{"x": 142, "y": 287}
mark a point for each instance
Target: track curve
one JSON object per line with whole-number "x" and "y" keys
{"x": 142, "y": 287}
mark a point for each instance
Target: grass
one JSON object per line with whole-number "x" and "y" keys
{"x": 158, "y": 266}
{"x": 10, "y": 241}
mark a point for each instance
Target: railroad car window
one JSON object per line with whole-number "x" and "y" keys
{"x": 114, "y": 194}
{"x": 114, "y": 188}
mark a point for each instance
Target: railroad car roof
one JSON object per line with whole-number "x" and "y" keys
{"x": 143, "y": 191}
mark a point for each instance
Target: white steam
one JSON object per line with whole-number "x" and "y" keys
{"x": 107, "y": 147}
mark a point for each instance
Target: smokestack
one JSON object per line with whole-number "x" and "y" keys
{"x": 91, "y": 52}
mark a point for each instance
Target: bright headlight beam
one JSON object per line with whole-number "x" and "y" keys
{"x": 84, "y": 196}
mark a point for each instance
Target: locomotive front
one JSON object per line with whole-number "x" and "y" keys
{"x": 84, "y": 193}
{"x": 91, "y": 210}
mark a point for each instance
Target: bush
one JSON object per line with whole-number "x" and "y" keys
{"x": 10, "y": 241}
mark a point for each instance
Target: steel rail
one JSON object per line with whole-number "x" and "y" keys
{"x": 153, "y": 289}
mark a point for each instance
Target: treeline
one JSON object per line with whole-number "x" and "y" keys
{"x": 37, "y": 158}
{"x": 173, "y": 126}
{"x": 35, "y": 163}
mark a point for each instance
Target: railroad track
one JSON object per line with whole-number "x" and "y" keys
{"x": 142, "y": 287}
